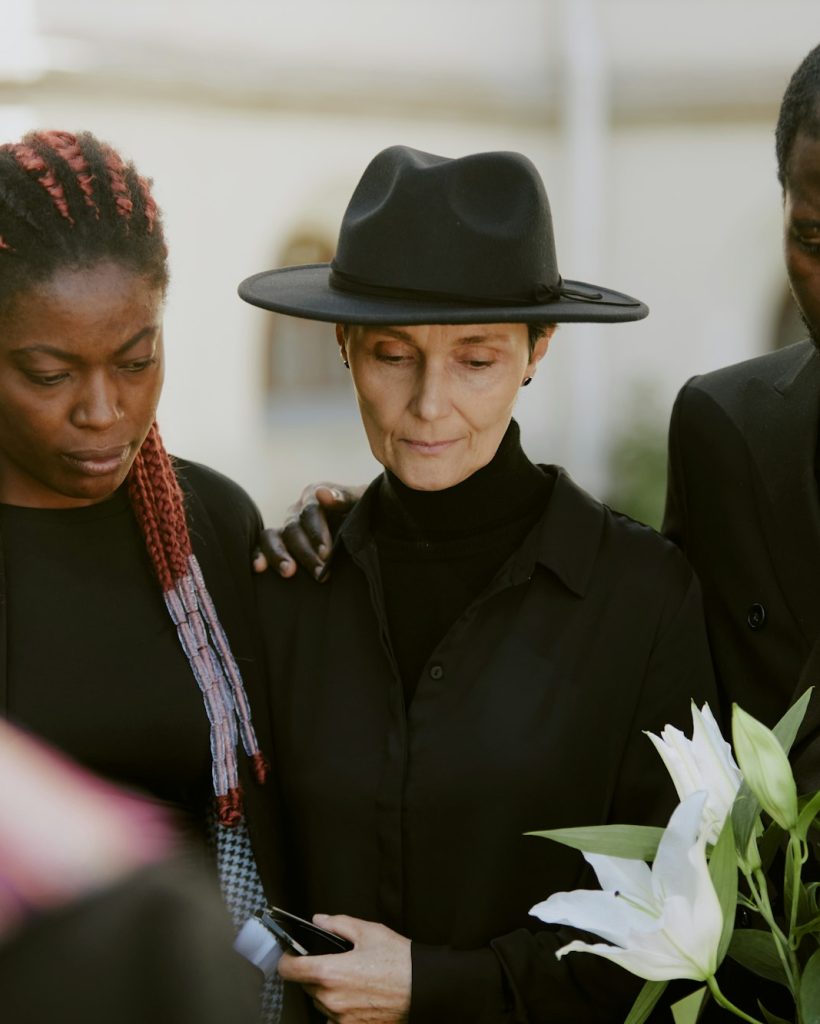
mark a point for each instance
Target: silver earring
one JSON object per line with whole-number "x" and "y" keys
{"x": 346, "y": 364}
{"x": 526, "y": 381}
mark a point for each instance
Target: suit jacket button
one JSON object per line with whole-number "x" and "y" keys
{"x": 436, "y": 671}
{"x": 756, "y": 617}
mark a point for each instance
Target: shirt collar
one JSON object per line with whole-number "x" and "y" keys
{"x": 565, "y": 541}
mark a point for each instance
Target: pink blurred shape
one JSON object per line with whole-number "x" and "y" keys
{"x": 63, "y": 831}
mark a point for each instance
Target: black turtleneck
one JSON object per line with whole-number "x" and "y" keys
{"x": 438, "y": 550}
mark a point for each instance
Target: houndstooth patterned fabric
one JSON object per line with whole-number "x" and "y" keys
{"x": 243, "y": 894}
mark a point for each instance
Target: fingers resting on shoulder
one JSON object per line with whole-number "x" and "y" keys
{"x": 305, "y": 538}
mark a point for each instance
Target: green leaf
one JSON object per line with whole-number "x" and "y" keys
{"x": 768, "y": 844}
{"x": 786, "y": 728}
{"x": 687, "y": 1010}
{"x": 645, "y": 1001}
{"x": 723, "y": 870}
{"x": 807, "y": 815}
{"x": 745, "y": 813}
{"x": 770, "y": 1018}
{"x": 756, "y": 951}
{"x": 808, "y": 998}
{"x": 811, "y": 926}
{"x": 635, "y": 842}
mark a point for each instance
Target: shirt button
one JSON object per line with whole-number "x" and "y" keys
{"x": 756, "y": 617}
{"x": 436, "y": 671}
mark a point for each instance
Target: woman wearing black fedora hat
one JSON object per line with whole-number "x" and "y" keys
{"x": 493, "y": 640}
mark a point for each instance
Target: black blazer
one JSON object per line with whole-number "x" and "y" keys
{"x": 742, "y": 504}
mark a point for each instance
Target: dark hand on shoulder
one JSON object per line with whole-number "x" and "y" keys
{"x": 305, "y": 538}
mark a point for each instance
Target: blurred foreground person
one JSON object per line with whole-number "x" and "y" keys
{"x": 492, "y": 641}
{"x": 100, "y": 920}
{"x": 124, "y": 575}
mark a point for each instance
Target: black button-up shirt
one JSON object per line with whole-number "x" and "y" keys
{"x": 527, "y": 716}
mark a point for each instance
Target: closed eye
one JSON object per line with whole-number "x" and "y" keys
{"x": 393, "y": 360}
{"x": 47, "y": 379}
{"x": 138, "y": 364}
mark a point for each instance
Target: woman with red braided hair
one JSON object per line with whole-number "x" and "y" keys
{"x": 111, "y": 640}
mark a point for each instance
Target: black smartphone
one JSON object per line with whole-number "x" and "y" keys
{"x": 303, "y": 938}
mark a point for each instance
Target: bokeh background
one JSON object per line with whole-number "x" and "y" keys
{"x": 651, "y": 122}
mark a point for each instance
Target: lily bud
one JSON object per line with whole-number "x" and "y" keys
{"x": 765, "y": 768}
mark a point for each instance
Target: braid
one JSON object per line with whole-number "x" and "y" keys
{"x": 119, "y": 187}
{"x": 31, "y": 161}
{"x": 71, "y": 200}
{"x": 66, "y": 146}
{"x": 158, "y": 504}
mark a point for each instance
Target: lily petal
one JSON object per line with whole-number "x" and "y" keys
{"x": 672, "y": 872}
{"x": 652, "y": 964}
{"x": 602, "y": 913}
{"x": 714, "y": 757}
{"x": 631, "y": 878}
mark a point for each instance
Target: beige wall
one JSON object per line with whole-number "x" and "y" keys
{"x": 690, "y": 206}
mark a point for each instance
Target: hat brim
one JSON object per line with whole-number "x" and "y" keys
{"x": 304, "y": 291}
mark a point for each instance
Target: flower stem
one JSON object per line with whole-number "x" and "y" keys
{"x": 796, "y": 858}
{"x": 721, "y": 1000}
{"x": 760, "y": 894}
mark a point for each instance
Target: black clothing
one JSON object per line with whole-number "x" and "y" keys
{"x": 94, "y": 664}
{"x": 439, "y": 549}
{"x": 89, "y": 656}
{"x": 154, "y": 947}
{"x": 743, "y": 506}
{"x": 527, "y": 715}
{"x": 742, "y": 503}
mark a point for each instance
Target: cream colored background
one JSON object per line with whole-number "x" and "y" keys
{"x": 650, "y": 120}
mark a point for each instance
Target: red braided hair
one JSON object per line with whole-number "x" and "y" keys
{"x": 30, "y": 160}
{"x": 66, "y": 145}
{"x": 119, "y": 187}
{"x": 158, "y": 504}
{"x": 72, "y": 200}
{"x": 157, "y": 501}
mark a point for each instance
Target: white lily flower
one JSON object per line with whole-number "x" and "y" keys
{"x": 665, "y": 921}
{"x": 704, "y": 763}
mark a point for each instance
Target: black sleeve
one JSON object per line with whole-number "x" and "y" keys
{"x": 233, "y": 514}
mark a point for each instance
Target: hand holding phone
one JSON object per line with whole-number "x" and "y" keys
{"x": 272, "y": 931}
{"x": 301, "y": 937}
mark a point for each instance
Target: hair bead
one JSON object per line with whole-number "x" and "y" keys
{"x": 158, "y": 505}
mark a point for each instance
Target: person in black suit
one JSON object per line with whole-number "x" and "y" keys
{"x": 742, "y": 499}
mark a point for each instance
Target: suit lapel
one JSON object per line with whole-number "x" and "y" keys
{"x": 781, "y": 425}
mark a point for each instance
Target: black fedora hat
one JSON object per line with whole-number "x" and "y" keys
{"x": 429, "y": 240}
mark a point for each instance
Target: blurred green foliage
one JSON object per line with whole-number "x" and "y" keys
{"x": 637, "y": 462}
